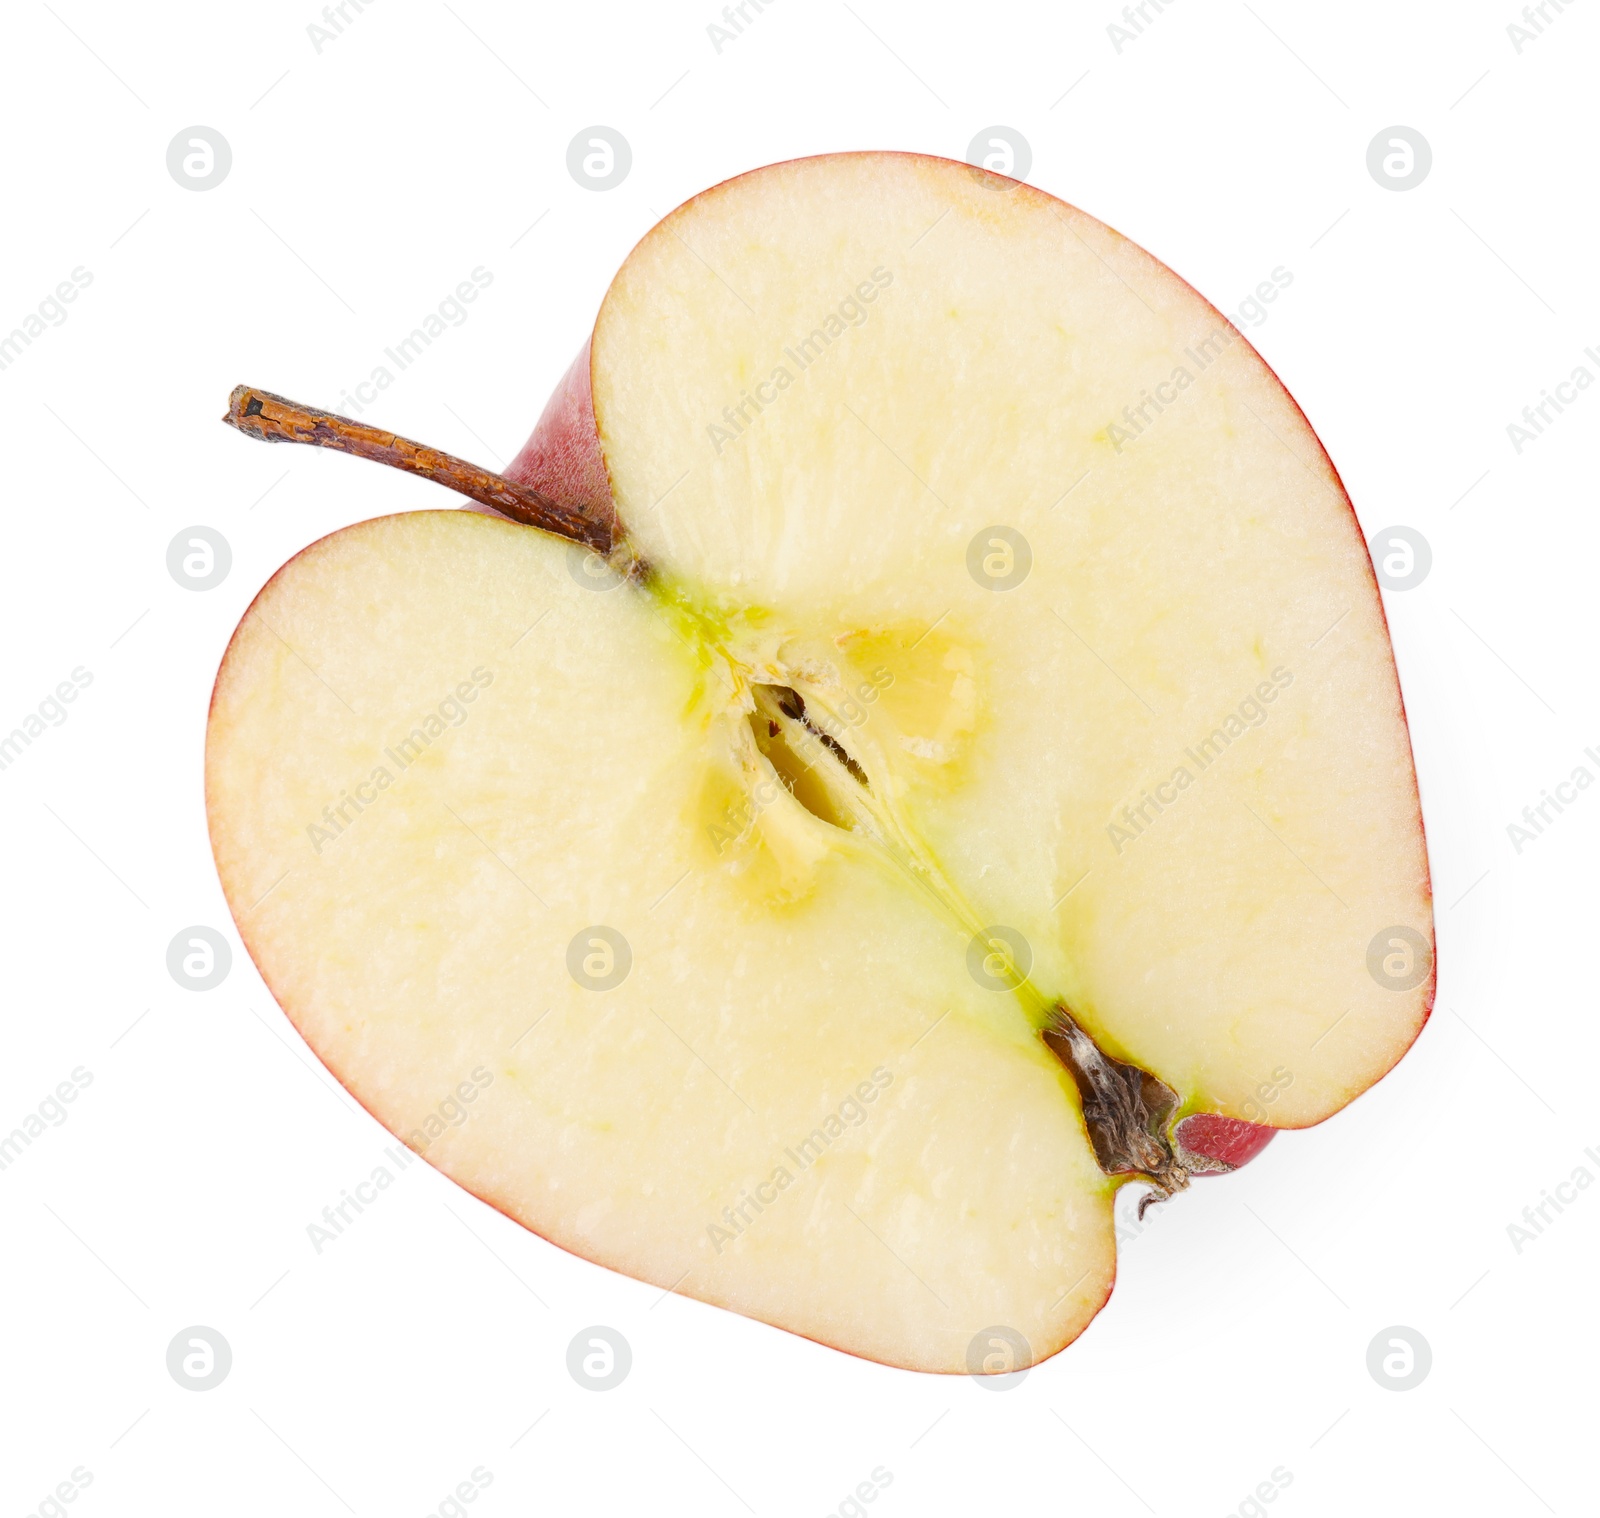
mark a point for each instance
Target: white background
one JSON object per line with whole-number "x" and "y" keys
{"x": 367, "y": 181}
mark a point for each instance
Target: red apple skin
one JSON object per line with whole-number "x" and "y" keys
{"x": 562, "y": 456}
{"x": 1227, "y": 1140}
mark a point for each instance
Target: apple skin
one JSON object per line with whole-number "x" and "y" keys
{"x": 562, "y": 456}
{"x": 1229, "y": 1141}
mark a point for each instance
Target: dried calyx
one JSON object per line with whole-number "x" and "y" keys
{"x": 1129, "y": 1113}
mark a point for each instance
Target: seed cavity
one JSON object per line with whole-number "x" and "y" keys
{"x": 805, "y": 755}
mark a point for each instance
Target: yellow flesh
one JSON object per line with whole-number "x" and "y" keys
{"x": 607, "y": 771}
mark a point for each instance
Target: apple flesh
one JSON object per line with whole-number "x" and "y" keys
{"x": 772, "y": 883}
{"x": 564, "y": 460}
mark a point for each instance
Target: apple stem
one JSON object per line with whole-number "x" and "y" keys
{"x": 272, "y": 419}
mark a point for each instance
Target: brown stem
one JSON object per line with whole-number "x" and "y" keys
{"x": 260, "y": 414}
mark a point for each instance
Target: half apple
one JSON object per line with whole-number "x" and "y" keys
{"x": 975, "y": 779}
